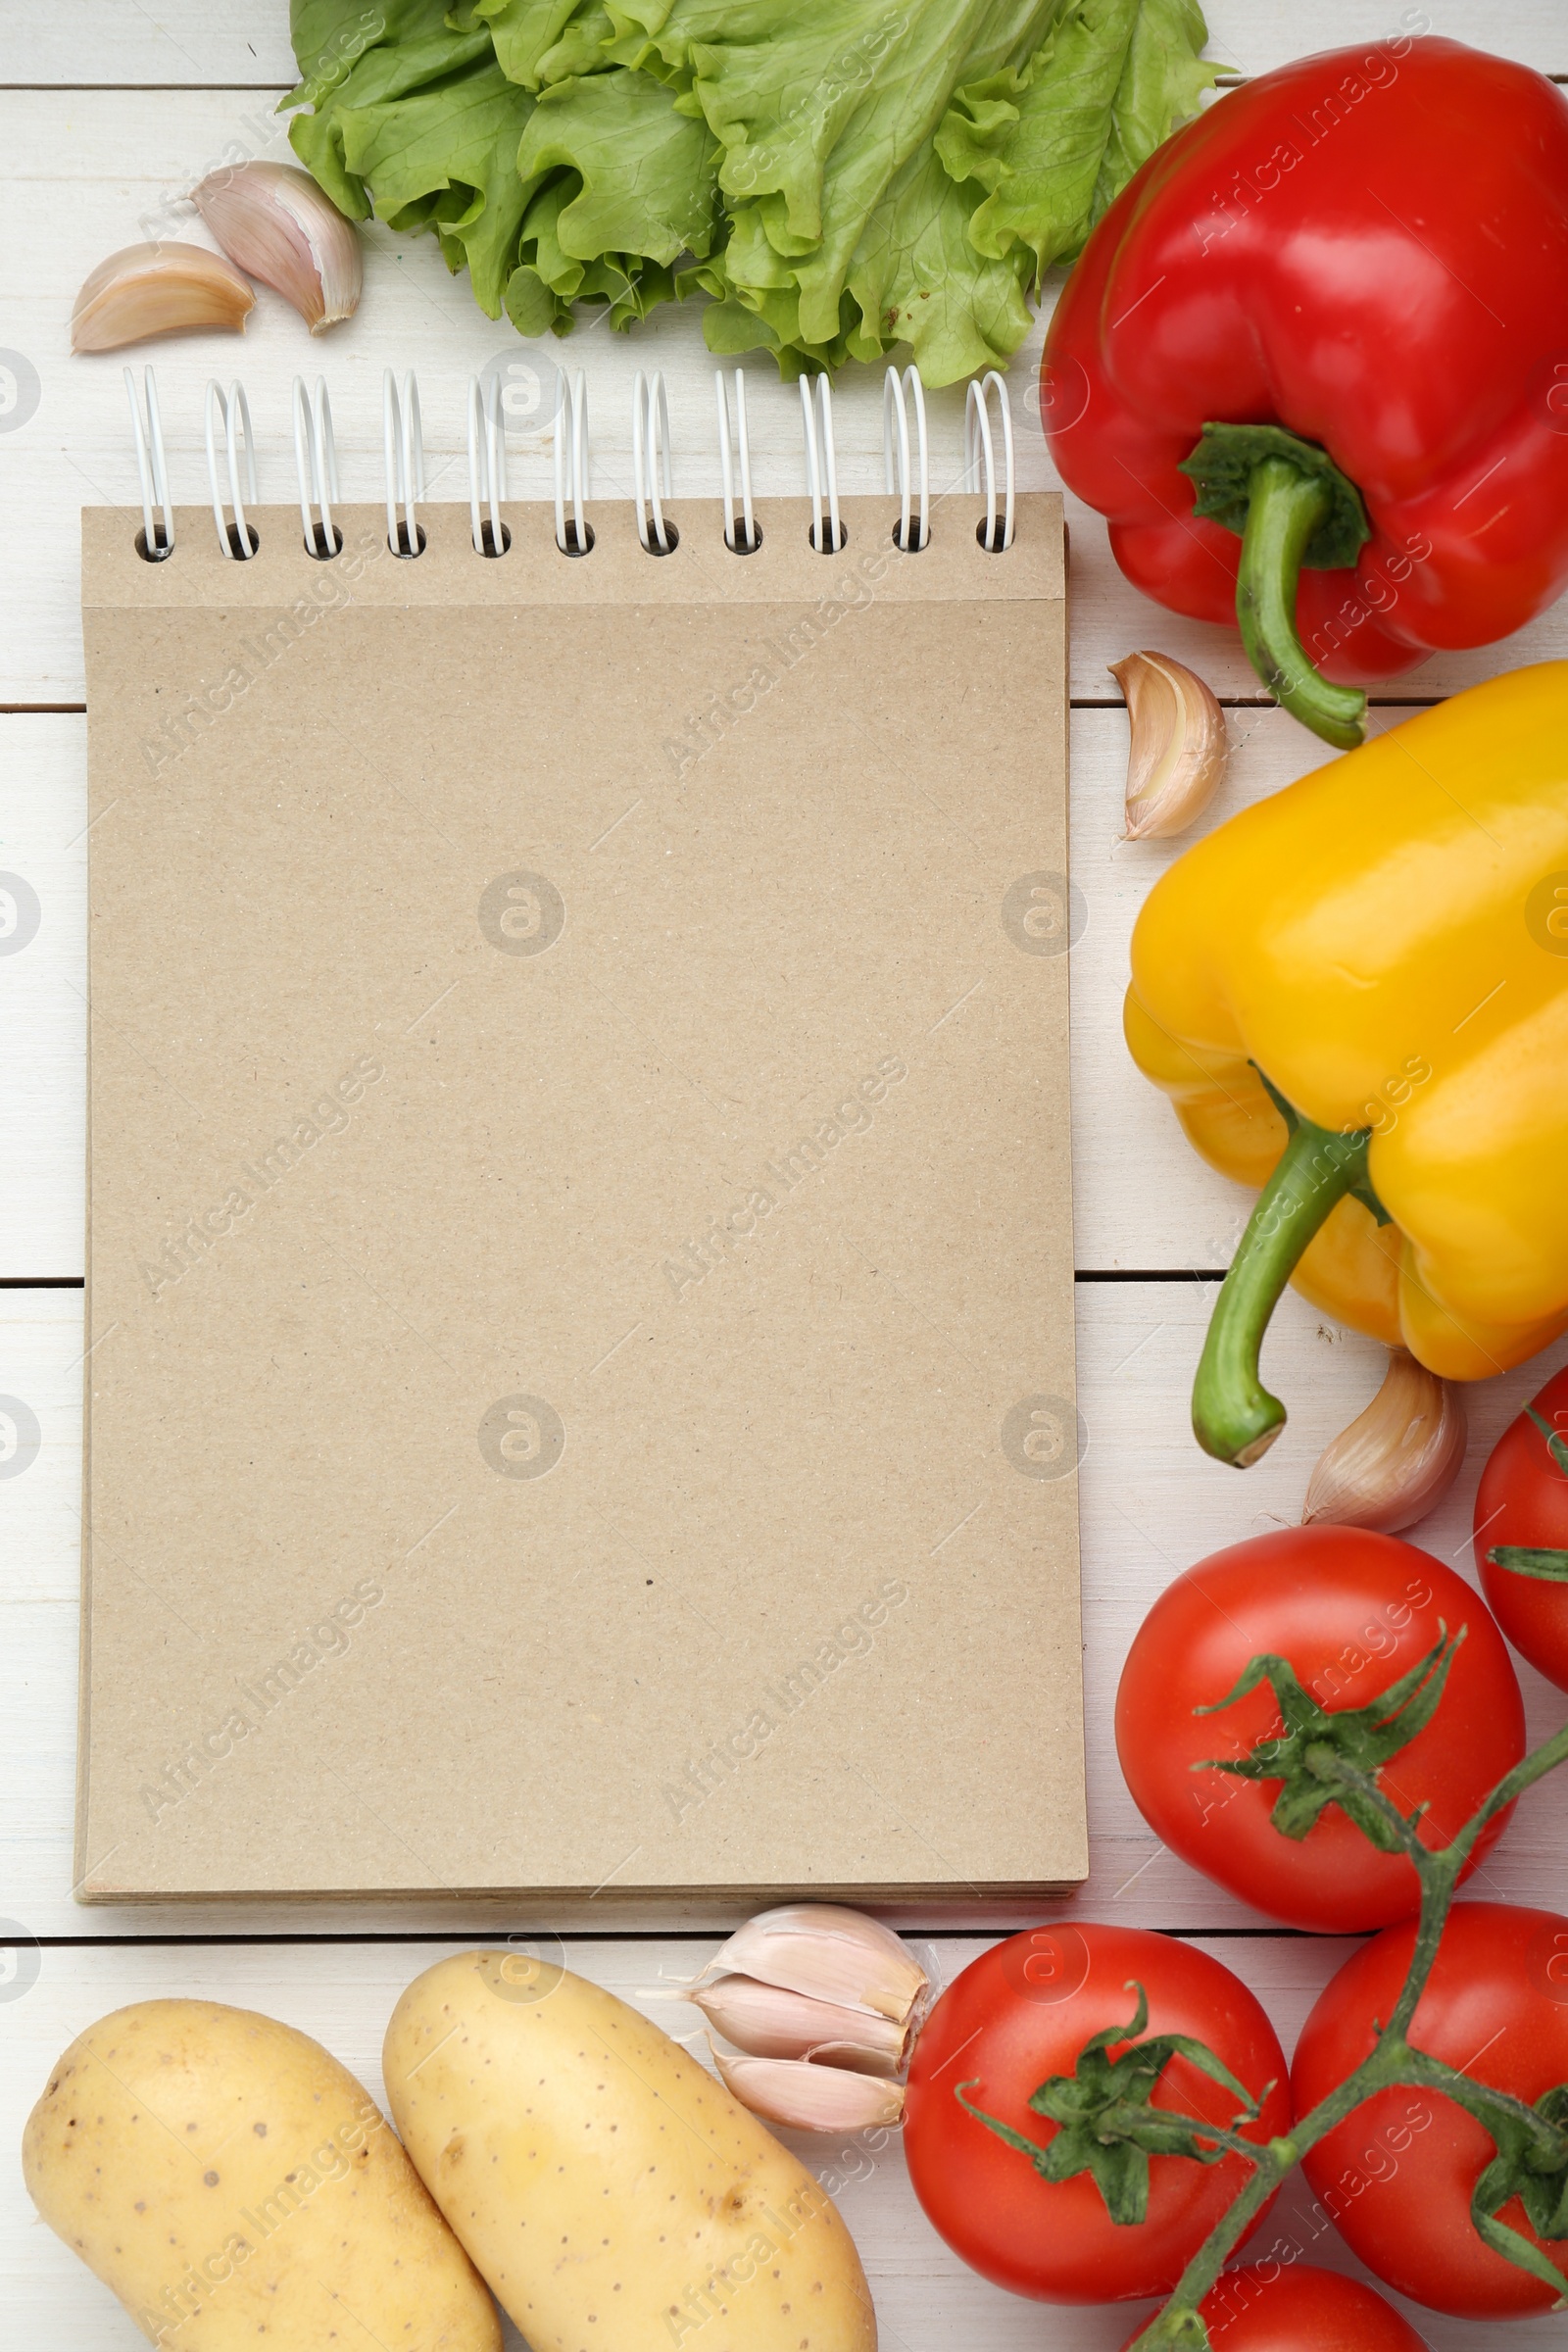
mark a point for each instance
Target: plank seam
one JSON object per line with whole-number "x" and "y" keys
{"x": 215, "y": 1939}
{"x": 77, "y": 1282}
{"x": 1150, "y": 1274}
{"x": 1077, "y": 702}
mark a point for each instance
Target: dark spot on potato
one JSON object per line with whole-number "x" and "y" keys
{"x": 260, "y": 2131}
{"x": 211, "y": 2179}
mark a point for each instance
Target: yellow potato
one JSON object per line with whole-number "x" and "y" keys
{"x": 230, "y": 2181}
{"x": 613, "y": 2194}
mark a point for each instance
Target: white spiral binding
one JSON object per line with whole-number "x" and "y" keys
{"x": 158, "y": 539}
{"x": 650, "y": 442}
{"x": 235, "y": 412}
{"x": 754, "y": 537}
{"x": 316, "y": 465}
{"x": 894, "y": 410}
{"x": 487, "y": 466}
{"x": 821, "y": 461}
{"x": 404, "y": 448}
{"x": 978, "y": 444}
{"x": 571, "y": 461}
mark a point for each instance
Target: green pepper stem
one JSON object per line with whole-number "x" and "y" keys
{"x": 1234, "y": 1416}
{"x": 1286, "y": 509}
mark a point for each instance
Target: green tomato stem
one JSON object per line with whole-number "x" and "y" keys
{"x": 1394, "y": 2062}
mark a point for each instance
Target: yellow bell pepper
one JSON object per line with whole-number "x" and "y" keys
{"x": 1356, "y": 995}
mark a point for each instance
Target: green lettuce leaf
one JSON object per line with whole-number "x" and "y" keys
{"x": 456, "y": 144}
{"x": 354, "y": 57}
{"x": 827, "y": 165}
{"x": 1162, "y": 85}
{"x": 646, "y": 175}
{"x": 839, "y": 177}
{"x": 916, "y": 278}
{"x": 1053, "y": 144}
{"x": 625, "y": 187}
{"x": 541, "y": 41}
{"x": 413, "y": 41}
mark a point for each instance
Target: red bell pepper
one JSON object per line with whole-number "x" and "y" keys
{"x": 1313, "y": 365}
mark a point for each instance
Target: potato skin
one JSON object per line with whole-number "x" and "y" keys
{"x": 613, "y": 2194}
{"x": 230, "y": 2181}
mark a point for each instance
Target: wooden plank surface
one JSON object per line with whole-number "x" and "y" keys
{"x": 238, "y": 43}
{"x": 88, "y": 175}
{"x": 183, "y": 87}
{"x": 926, "y": 2301}
{"x": 1142, "y": 1201}
{"x": 1151, "y": 1506}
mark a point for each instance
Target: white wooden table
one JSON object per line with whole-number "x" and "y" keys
{"x": 107, "y": 110}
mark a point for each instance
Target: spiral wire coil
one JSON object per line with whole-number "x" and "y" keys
{"x": 487, "y": 466}
{"x": 402, "y": 443}
{"x": 231, "y": 463}
{"x": 980, "y": 452}
{"x": 158, "y": 539}
{"x": 742, "y": 446}
{"x": 895, "y": 428}
{"x": 821, "y": 461}
{"x": 574, "y": 538}
{"x": 315, "y": 466}
{"x": 649, "y": 446}
{"x": 237, "y": 539}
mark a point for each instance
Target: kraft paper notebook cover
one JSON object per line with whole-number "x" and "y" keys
{"x": 580, "y": 1374}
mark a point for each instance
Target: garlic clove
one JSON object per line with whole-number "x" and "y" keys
{"x": 277, "y": 222}
{"x": 810, "y": 2098}
{"x": 1396, "y": 1460}
{"x": 769, "y": 2021}
{"x": 157, "y": 290}
{"x": 1178, "y": 745}
{"x": 831, "y": 1953}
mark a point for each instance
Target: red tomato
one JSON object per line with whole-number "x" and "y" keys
{"x": 1522, "y": 1498}
{"x": 1396, "y": 2176}
{"x": 1352, "y": 1612}
{"x": 1264, "y": 2308}
{"x": 1022, "y": 2012}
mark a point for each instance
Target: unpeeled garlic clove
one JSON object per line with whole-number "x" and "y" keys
{"x": 769, "y": 2021}
{"x": 1396, "y": 1460}
{"x": 810, "y": 2098}
{"x": 275, "y": 222}
{"x": 1178, "y": 745}
{"x": 157, "y": 290}
{"x": 831, "y": 1953}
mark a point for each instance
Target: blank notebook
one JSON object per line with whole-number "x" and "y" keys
{"x": 580, "y": 1374}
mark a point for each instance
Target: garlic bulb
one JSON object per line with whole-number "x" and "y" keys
{"x": 157, "y": 290}
{"x": 769, "y": 2021}
{"x": 1178, "y": 745}
{"x": 810, "y": 2098}
{"x": 832, "y": 1953}
{"x": 1396, "y": 1460}
{"x": 275, "y": 222}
